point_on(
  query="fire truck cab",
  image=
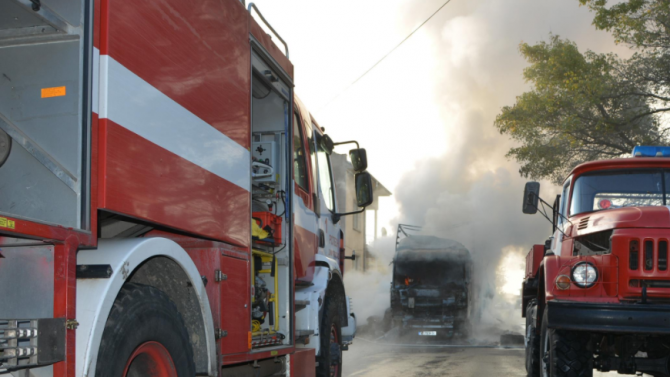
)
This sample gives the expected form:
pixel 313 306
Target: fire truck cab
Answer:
pixel 596 295
pixel 167 205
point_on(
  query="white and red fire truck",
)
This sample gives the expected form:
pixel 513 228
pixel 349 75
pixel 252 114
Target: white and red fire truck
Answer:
pixel 167 205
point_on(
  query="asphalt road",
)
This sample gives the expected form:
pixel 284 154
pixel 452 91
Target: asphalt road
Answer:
pixel 372 359
pixel 367 358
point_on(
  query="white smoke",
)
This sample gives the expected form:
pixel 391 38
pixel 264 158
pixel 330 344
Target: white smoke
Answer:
pixel 370 290
pixel 426 113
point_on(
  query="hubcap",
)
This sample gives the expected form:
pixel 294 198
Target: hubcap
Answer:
pixel 150 359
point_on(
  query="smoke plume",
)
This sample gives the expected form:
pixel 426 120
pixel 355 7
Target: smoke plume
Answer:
pixel 425 115
pixel 471 193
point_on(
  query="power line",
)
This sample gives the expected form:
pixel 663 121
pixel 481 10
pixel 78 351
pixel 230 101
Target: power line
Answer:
pixel 385 56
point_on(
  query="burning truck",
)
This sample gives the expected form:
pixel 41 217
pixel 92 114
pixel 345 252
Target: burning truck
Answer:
pixel 430 290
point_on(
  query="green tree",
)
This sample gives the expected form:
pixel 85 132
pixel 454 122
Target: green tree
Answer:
pixel 639 23
pixel 643 25
pixel 581 107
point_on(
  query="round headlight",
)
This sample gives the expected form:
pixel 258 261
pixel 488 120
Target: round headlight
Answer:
pixel 584 274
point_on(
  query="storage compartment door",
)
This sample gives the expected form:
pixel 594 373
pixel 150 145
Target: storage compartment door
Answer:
pixel 45 99
pixel 235 306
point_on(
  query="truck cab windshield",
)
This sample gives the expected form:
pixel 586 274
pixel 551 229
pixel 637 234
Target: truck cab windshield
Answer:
pixel 617 189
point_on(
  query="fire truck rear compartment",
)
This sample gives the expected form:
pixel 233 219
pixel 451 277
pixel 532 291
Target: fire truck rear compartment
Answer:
pixel 44 90
pixel 271 255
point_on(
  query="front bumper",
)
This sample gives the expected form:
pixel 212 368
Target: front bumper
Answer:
pixel 349 331
pixel 609 318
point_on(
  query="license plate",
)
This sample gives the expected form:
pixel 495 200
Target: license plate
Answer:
pixel 428 333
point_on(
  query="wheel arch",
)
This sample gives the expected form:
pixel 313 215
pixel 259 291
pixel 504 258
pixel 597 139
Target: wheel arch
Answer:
pixel 157 262
pixel 335 287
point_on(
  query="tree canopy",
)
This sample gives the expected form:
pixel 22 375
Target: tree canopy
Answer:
pixel 588 106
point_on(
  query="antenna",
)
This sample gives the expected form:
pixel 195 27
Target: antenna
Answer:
pixel 404 229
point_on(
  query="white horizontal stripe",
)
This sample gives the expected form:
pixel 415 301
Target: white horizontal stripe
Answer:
pixel 95 80
pixel 133 103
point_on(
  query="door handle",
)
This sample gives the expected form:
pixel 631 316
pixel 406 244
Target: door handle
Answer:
pixel 317 205
pixel 322 238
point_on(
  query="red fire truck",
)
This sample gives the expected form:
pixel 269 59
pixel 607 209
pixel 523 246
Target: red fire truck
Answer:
pixel 596 295
pixel 167 205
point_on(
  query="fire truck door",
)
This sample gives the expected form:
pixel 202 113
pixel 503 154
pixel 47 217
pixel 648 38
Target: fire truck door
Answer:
pixel 235 305
pixel 330 243
pixel 305 229
pixel 46 65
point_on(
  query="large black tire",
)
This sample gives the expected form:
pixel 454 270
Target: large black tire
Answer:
pixel 143 315
pixel 565 353
pixel 331 341
pixel 532 341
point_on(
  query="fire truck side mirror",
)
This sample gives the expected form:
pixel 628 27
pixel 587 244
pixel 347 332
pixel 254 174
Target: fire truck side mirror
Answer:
pixel 531 197
pixel 364 189
pixel 359 159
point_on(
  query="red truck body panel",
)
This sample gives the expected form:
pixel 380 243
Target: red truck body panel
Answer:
pixel 197 58
pixel 533 260
pixel 173 48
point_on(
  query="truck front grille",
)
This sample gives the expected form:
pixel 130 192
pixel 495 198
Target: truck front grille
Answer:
pixel 663 255
pixel 634 255
pixel 653 256
pixel 648 255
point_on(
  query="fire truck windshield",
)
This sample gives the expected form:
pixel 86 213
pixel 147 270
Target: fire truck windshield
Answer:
pixel 619 188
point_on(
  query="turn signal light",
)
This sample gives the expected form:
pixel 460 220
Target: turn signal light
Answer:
pixel 563 282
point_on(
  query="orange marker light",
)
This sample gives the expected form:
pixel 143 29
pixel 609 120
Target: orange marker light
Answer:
pixel 563 282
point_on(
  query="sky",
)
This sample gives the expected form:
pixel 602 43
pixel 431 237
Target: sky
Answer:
pixel 426 113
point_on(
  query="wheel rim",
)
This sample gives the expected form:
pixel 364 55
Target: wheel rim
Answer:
pixel 335 353
pixel 150 359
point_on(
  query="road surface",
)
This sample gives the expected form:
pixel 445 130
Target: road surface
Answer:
pixel 367 358
pixel 371 359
